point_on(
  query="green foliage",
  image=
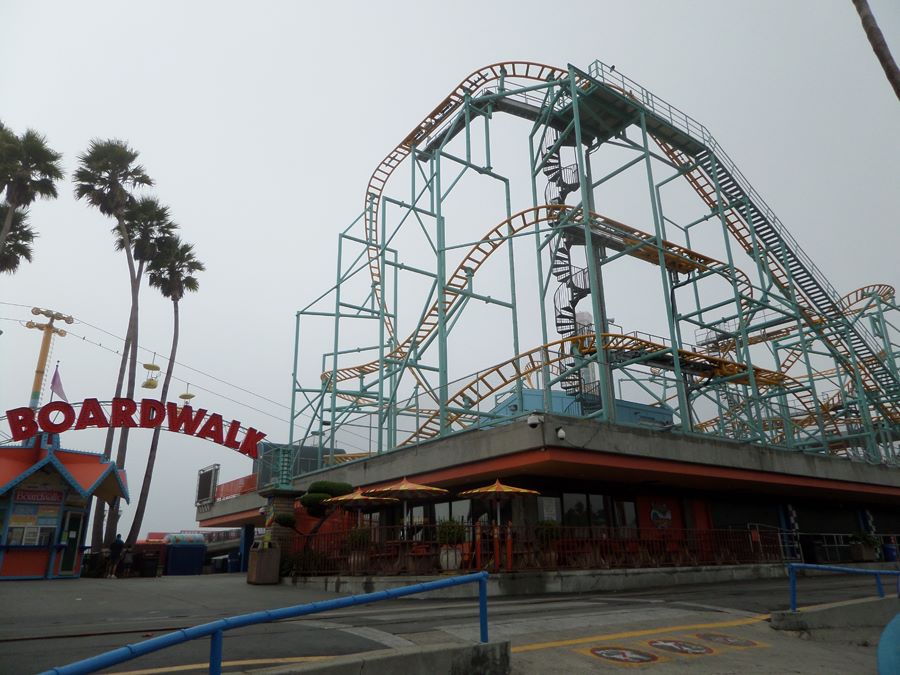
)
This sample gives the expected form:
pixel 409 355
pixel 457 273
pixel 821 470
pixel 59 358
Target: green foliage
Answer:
pixel 450 532
pixel 864 538
pixel 358 538
pixel 173 267
pixel 106 174
pixel 18 246
pixel 286 519
pixel 331 488
pixel 312 502
pixel 28 167
pixel 546 532
pixel 147 223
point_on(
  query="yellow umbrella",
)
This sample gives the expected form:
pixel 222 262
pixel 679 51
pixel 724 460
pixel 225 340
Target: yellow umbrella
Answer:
pixel 358 500
pixel 406 490
pixel 497 491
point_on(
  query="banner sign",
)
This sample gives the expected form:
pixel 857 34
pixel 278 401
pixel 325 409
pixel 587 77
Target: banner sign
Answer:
pixel 124 412
pixel 38 496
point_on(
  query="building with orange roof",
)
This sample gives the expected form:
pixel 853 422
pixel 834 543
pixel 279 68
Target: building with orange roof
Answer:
pixel 45 499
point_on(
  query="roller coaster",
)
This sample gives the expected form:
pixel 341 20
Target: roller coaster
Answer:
pixel 778 357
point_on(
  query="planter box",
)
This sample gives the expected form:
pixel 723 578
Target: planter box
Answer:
pixel 862 552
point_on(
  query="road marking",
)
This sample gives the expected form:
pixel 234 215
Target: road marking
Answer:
pixel 637 633
pixel 225 664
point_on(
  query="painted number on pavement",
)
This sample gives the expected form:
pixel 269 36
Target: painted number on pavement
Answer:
pixel 623 655
pixel 680 647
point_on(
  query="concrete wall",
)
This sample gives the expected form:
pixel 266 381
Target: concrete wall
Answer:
pixel 569 581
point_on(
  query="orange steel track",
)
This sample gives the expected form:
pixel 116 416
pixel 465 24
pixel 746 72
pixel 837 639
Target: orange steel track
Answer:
pixel 642 245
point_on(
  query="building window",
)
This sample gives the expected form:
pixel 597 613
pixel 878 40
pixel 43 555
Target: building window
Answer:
pixel 626 514
pixel 548 509
pixel 599 516
pixel 460 510
pixel 441 512
pixel 575 510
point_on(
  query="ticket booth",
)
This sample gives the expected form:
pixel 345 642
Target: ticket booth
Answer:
pixel 45 499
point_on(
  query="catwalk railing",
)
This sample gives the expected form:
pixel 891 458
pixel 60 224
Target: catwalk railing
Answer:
pixel 426 548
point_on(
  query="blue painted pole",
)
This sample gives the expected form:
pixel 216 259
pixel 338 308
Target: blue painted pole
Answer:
pixel 792 573
pixel 482 607
pixel 879 586
pixel 215 653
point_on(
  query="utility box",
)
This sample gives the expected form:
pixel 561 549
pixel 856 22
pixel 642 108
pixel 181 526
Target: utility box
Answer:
pixel 264 563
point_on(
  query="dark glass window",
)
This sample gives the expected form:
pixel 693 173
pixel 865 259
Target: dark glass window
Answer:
pixel 598 510
pixel 460 510
pixel 626 514
pixel 575 509
pixel 548 509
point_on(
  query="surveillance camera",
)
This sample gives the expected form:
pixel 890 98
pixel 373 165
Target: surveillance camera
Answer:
pixel 561 433
pixel 534 420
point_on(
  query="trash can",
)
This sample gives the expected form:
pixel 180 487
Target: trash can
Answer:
pixel 234 563
pixel 890 552
pixel 219 563
pixel 149 564
pixel 265 563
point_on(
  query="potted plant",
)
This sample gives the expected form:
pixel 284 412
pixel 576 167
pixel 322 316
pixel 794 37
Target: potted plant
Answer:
pixel 450 536
pixel 863 546
pixel 547 533
pixel 358 540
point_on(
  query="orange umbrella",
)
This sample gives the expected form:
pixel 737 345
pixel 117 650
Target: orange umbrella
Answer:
pixel 358 500
pixel 497 491
pixel 406 490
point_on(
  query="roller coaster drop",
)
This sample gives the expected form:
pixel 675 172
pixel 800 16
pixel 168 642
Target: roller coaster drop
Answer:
pixel 781 359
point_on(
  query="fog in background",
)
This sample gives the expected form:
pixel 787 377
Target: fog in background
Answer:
pixel 262 122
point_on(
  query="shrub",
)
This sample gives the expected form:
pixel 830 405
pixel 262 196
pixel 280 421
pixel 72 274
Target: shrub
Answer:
pixel 312 502
pixel 451 532
pixel 358 538
pixel 864 538
pixel 330 488
pixel 285 519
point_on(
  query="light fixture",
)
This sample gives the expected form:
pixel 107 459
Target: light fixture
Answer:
pixel 561 433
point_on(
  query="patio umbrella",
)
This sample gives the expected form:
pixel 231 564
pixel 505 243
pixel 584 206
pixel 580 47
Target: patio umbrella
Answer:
pixel 407 490
pixel 358 501
pixel 497 492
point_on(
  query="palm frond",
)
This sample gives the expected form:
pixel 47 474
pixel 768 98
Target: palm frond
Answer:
pixel 18 246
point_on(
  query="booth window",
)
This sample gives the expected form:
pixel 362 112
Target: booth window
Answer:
pixel 30 536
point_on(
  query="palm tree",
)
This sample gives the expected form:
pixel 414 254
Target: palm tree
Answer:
pixel 28 169
pixel 106 175
pixel 172 272
pixel 878 43
pixel 18 241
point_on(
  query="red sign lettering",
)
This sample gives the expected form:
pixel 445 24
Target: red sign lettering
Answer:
pixel 25 422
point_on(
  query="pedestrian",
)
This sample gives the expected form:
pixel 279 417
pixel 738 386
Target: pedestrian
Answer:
pixel 127 562
pixel 115 552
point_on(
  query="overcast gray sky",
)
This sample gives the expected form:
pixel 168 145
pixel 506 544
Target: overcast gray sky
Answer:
pixel 261 123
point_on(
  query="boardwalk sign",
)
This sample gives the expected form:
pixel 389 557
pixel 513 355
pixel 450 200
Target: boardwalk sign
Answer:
pixel 59 416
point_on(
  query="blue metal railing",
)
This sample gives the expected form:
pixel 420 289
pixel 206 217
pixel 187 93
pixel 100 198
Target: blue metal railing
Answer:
pixel 793 567
pixel 215 629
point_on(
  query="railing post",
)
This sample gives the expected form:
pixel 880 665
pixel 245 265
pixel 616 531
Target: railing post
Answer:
pixel 792 572
pixel 495 531
pixel 879 586
pixel 509 548
pixel 478 546
pixel 215 653
pixel 482 607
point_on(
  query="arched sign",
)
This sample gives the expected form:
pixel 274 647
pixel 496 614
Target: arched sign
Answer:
pixel 124 412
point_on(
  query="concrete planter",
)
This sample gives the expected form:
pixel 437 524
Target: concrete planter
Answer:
pixel 451 557
pixel 862 552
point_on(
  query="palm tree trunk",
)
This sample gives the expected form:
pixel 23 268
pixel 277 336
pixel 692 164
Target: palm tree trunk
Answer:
pixel 99 506
pixel 879 45
pixel 154 444
pixel 112 521
pixel 7 224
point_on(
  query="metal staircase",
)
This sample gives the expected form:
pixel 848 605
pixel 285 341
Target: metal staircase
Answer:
pixel 762 235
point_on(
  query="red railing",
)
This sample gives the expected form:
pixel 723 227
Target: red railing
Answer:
pixel 417 550
pixel 236 487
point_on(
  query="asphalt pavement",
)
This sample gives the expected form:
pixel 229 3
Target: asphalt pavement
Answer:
pixel 717 628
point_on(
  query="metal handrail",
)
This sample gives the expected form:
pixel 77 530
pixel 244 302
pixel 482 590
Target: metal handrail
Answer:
pixel 215 629
pixel 792 575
